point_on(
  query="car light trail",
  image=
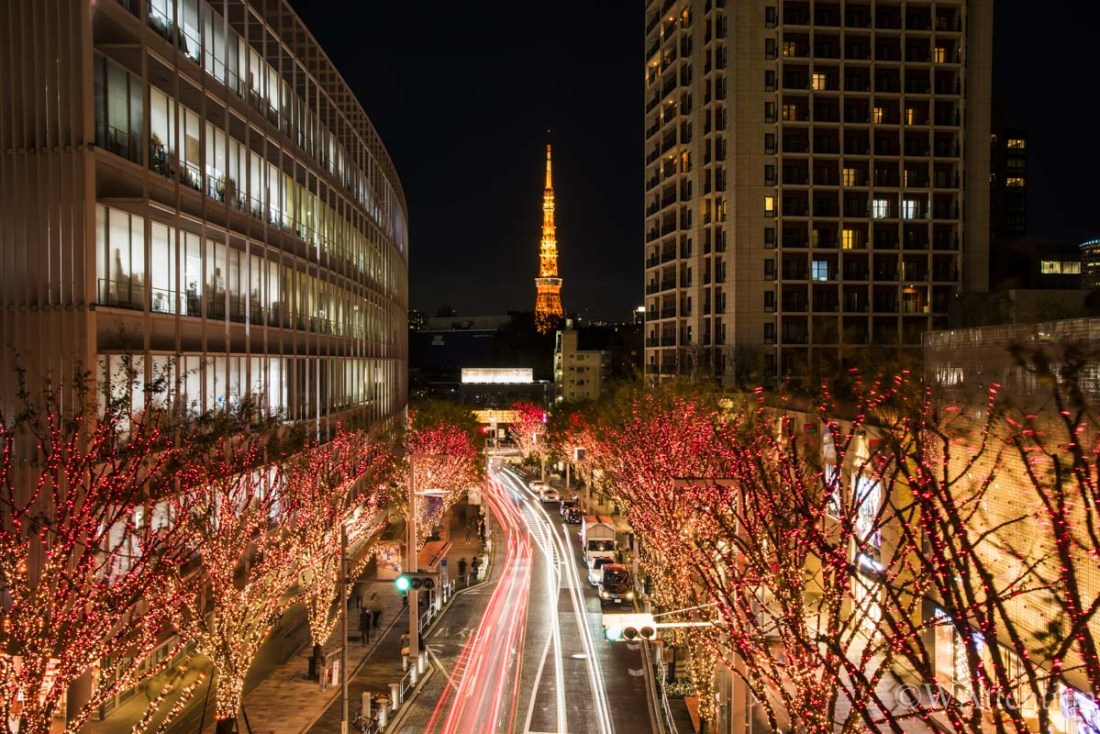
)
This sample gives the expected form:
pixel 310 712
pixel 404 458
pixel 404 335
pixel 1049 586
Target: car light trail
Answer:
pixel 569 567
pixel 496 648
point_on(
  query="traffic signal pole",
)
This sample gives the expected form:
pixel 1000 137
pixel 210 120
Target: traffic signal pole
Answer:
pixel 412 567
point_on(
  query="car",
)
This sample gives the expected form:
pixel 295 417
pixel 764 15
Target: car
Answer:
pixel 549 494
pixel 616 585
pixel 537 486
pixel 595 570
pixel 567 505
pixel 572 515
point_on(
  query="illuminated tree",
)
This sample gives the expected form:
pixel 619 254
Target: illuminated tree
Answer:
pixel 529 432
pixel 443 447
pixel 341 483
pixel 86 539
pixel 234 495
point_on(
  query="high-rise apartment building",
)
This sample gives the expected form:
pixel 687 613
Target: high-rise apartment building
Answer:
pixel 192 182
pixel 816 179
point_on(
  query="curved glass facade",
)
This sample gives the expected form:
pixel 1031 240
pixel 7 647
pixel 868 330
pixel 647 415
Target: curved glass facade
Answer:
pixel 262 247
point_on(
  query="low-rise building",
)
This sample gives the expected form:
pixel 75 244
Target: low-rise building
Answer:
pixel 579 374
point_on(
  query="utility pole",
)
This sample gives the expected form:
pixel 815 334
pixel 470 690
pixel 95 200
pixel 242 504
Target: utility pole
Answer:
pixel 344 626
pixel 412 567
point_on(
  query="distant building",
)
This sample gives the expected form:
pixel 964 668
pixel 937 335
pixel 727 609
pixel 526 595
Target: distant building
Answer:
pixel 1007 199
pixel 1039 264
pixel 579 374
pixel 1090 264
pixel 417 319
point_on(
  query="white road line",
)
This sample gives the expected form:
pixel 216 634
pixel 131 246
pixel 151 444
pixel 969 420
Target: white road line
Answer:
pixel 565 549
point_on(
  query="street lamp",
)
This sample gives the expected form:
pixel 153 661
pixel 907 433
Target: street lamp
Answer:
pixel 411 559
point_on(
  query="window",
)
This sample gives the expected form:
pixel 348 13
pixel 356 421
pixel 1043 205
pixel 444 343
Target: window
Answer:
pixel 769 174
pixel 769 112
pixel 790 48
pixel 910 116
pixel 769 332
pixel 769 301
pixel 769 237
pixel 850 177
pixel 790 112
pixel 1060 267
pixel 940 55
pixel 878 115
pixel 849 239
pixel 769 206
pixel 769 16
pixel 910 209
pixel 819 270
pixel 880 209
pixel 819 81
pixel 1014 182
pixel 769 80
pixel 769 48
pixel 769 143
pixel 1017 143
pixel 769 269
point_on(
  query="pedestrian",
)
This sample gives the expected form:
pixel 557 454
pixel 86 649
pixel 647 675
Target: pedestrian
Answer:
pixel 462 569
pixel 356 593
pixel 473 567
pixel 375 608
pixel 364 625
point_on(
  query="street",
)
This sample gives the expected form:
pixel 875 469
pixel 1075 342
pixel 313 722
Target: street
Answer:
pixel 536 660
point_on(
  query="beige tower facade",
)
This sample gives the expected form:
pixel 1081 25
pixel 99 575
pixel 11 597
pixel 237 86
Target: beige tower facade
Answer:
pixel 816 180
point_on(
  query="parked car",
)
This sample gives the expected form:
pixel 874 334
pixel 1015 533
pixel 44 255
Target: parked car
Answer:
pixel 549 494
pixel 595 570
pixel 615 586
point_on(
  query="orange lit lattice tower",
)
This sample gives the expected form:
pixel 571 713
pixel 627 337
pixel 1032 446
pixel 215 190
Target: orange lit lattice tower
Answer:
pixel 548 310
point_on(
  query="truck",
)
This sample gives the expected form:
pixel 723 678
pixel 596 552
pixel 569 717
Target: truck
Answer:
pixel 598 538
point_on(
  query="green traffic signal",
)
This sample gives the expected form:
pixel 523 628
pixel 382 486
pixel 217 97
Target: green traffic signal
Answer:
pixel 614 634
pixel 402 583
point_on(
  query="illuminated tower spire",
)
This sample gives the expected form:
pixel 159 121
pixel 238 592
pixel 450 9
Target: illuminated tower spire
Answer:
pixel 548 309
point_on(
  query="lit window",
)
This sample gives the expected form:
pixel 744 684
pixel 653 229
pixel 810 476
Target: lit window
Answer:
pixel 880 209
pixel 1015 182
pixel 910 116
pixel 1017 143
pixel 790 112
pixel 849 177
pixel 878 115
pixel 910 209
pixel 940 55
pixel 848 239
pixel 790 48
pixel 1060 267
pixel 818 81
pixel 769 205
pixel 819 270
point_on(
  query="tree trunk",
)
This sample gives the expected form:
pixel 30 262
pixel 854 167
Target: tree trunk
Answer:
pixel 226 726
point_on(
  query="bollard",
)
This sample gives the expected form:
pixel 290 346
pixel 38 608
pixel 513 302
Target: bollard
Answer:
pixel 414 673
pixel 404 663
pixel 395 695
pixel 421 664
pixel 364 705
pixel 383 718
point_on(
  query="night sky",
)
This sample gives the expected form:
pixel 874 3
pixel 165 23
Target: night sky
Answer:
pixel 463 93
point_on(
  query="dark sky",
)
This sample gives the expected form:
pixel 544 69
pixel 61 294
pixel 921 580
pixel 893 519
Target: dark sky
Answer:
pixel 462 94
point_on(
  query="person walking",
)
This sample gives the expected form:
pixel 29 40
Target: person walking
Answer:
pixel 375 608
pixel 364 625
pixel 473 567
pixel 462 570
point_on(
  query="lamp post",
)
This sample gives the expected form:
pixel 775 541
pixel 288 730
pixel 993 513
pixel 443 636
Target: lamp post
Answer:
pixel 411 559
pixel 739 709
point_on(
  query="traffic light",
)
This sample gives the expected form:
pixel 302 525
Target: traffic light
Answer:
pixel 629 627
pixel 406 581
